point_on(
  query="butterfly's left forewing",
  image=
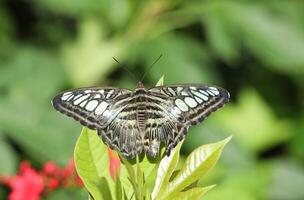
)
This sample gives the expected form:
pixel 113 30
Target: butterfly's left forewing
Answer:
pixel 93 107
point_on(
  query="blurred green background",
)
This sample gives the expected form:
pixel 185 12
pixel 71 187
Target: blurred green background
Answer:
pixel 254 49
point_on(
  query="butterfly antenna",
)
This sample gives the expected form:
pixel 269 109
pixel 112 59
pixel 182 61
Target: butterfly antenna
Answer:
pixel 126 69
pixel 150 67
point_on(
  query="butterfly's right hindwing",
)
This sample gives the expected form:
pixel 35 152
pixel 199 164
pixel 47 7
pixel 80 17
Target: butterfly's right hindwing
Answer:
pixel 92 107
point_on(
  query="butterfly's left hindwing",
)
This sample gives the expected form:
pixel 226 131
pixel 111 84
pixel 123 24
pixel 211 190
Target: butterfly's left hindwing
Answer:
pixel 92 107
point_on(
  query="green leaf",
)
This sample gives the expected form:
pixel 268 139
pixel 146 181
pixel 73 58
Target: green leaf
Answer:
pixel 140 180
pixel 160 81
pixel 127 175
pixel 148 194
pixel 118 189
pixel 92 164
pixel 193 193
pixel 197 164
pixel 125 195
pixel 150 178
pixel 165 171
pixel 66 194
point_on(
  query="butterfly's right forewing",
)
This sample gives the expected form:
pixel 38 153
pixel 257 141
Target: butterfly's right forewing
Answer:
pixel 192 103
pixel 187 105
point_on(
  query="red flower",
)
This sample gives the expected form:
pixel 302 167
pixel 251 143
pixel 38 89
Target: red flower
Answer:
pixel 30 184
pixel 69 176
pixel 53 183
pixel 27 185
pixel 78 181
pixel 50 168
pixel 114 164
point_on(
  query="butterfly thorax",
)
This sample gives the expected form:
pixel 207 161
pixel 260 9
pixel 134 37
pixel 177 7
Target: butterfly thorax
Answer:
pixel 141 114
pixel 140 100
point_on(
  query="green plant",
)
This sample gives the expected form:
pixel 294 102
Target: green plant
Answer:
pixel 144 179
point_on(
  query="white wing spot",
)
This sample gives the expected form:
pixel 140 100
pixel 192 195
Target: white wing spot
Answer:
pixel 101 108
pixel 198 100
pixel 110 93
pixel 87 91
pixel 83 103
pixel 65 96
pixel 91 105
pixel 71 97
pixel 181 105
pixel 171 91
pixel 214 90
pixel 204 92
pixel 176 111
pixel 190 102
pixel 184 93
pixel 66 93
pixel 79 100
pixel 210 92
pixel 179 89
pixel 97 96
pixel 193 88
pixel 200 95
pixel 163 92
pixel 77 96
pixel 101 91
pixel 106 113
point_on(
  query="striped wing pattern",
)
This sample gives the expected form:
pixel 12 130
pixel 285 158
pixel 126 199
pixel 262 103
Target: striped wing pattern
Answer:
pixel 136 122
pixel 95 107
pixel 142 126
pixel 188 105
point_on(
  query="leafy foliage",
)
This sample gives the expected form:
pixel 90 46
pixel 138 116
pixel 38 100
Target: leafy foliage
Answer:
pixel 92 163
pixel 252 48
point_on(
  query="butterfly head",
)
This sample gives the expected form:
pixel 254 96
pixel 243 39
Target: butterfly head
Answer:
pixel 140 86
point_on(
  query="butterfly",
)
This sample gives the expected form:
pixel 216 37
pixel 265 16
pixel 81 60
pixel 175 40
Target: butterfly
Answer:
pixel 132 122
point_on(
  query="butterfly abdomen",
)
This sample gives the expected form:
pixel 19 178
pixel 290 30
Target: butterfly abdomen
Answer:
pixel 141 118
